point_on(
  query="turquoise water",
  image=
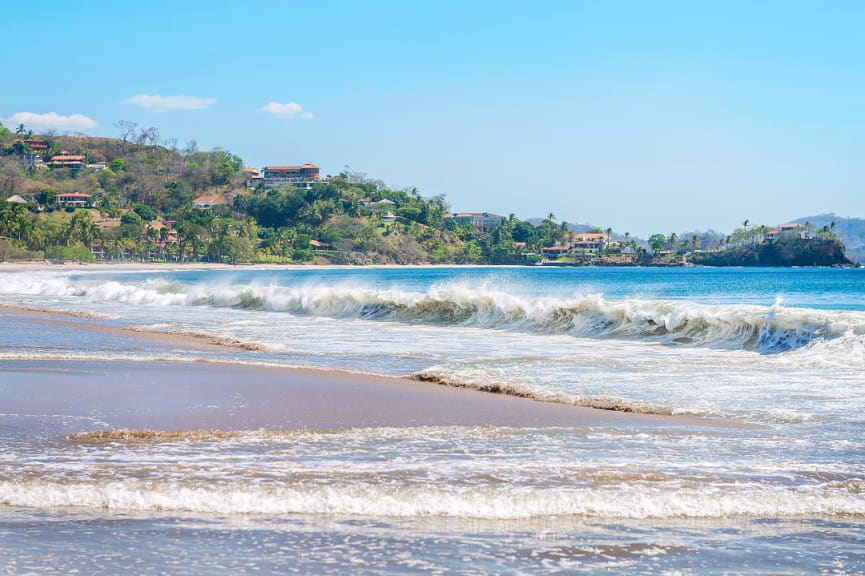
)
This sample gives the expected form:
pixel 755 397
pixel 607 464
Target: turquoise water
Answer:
pixel 778 352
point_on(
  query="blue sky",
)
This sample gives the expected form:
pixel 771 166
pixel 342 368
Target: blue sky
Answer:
pixel 643 116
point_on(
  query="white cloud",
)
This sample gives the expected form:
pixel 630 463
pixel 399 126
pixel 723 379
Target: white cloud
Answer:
pixel 51 121
pixel 159 103
pixel 291 110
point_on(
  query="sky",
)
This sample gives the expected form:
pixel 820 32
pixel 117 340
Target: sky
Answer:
pixel 644 116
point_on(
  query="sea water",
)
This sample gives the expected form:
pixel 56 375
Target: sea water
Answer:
pixel 777 353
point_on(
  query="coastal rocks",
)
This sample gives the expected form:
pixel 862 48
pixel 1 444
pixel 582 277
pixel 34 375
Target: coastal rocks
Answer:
pixel 781 252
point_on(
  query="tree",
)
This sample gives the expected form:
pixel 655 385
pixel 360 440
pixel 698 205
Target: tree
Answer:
pixel 657 242
pixel 81 229
pixel 673 241
pixel 21 129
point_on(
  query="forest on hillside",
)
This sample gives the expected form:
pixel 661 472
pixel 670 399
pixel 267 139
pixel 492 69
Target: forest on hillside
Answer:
pixel 140 193
pixel 142 208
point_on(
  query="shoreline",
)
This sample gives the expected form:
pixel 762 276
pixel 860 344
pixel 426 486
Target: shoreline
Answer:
pixel 110 395
pixel 277 396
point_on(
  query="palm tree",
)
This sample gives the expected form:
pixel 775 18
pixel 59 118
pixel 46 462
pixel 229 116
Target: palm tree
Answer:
pixel 21 129
pixel 746 223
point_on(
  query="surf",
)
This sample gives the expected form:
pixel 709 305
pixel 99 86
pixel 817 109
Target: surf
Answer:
pixel 763 329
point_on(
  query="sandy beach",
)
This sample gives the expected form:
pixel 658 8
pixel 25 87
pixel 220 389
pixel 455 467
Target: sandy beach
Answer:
pixel 192 396
pixel 208 394
pixel 370 413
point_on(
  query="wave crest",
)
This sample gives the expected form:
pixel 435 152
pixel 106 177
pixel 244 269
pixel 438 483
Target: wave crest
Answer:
pixel 766 329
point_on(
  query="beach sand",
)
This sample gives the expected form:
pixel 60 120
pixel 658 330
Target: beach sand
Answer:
pixel 215 395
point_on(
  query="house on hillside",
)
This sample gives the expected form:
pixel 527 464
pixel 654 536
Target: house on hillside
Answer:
pixel 384 203
pixel 592 242
pixel 482 222
pixel 788 231
pixel 74 162
pixel 207 202
pixel 554 251
pixel 32 151
pixel 253 177
pixel 73 199
pixel 303 176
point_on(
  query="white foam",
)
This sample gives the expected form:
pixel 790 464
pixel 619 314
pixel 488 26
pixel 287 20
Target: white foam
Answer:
pixel 760 328
pixel 632 501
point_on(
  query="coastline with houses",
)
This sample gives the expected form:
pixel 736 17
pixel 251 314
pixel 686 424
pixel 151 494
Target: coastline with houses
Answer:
pixel 102 199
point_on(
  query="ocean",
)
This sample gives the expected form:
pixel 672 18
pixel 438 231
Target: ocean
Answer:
pixel 772 481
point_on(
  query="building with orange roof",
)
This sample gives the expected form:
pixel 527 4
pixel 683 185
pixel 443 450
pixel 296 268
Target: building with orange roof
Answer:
pixel 554 251
pixel 67 160
pixel 302 176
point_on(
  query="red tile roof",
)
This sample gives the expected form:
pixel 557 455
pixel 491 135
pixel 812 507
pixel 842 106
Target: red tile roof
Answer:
pixel 33 143
pixel 291 167
pixel 210 200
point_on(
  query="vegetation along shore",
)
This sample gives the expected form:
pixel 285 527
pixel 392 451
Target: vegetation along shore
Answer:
pixel 140 198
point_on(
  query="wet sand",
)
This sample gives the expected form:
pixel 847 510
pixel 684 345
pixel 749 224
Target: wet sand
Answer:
pixel 199 395
pixel 73 321
pixel 213 395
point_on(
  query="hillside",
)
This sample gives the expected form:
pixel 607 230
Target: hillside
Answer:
pixel 851 231
pixel 133 198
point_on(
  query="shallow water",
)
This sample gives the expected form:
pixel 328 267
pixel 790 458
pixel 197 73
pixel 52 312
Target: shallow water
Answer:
pixel 783 350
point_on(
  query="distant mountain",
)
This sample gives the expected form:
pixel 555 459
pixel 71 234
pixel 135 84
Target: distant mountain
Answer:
pixel 851 231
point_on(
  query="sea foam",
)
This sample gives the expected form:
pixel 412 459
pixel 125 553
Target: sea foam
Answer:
pixel 765 329
pixel 625 501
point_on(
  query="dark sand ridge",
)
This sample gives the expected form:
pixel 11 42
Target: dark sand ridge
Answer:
pixel 224 396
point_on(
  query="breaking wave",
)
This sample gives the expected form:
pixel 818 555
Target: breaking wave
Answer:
pixel 623 501
pixel 765 329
